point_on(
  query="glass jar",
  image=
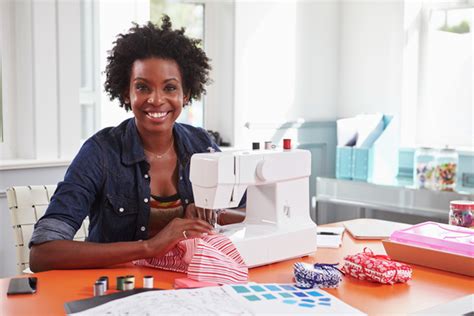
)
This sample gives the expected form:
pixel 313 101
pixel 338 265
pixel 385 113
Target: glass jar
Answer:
pixel 446 169
pixel 461 213
pixel 424 171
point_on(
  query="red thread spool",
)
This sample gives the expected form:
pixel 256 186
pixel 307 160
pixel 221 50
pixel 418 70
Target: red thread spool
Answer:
pixel 286 143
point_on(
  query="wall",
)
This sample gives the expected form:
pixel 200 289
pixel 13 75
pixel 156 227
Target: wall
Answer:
pixel 371 57
pixel 218 110
pixel 412 26
pixel 8 75
pixel 41 78
pixel 286 63
pixel 316 60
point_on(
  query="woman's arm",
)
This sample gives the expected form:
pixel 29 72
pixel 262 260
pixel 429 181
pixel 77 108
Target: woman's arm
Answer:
pixel 68 254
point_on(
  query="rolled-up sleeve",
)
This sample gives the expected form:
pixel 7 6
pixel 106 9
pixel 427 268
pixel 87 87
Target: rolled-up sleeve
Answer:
pixel 73 198
pixel 50 229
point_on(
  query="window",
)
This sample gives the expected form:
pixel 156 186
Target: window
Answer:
pixel 190 16
pixel 89 97
pixel 446 109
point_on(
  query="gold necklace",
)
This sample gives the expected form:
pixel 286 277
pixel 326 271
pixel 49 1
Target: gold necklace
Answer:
pixel 159 156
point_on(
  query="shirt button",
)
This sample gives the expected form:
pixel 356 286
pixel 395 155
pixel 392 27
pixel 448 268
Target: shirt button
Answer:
pixel 121 210
pixel 142 228
pixel 146 176
pixel 181 178
pixel 186 201
pixel 145 200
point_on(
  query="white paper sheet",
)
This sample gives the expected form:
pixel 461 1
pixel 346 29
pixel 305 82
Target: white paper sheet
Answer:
pixel 330 241
pixel 460 306
pixel 246 299
pixel 204 301
pixel 347 131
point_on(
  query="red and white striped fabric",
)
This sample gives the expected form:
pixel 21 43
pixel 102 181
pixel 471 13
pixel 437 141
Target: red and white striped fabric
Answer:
pixel 212 258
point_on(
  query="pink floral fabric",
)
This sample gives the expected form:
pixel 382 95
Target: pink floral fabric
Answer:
pixel 376 268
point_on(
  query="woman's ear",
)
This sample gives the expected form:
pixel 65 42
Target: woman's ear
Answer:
pixel 126 97
pixel 186 99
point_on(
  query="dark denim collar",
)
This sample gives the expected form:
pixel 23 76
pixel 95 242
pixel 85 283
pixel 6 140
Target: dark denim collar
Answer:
pixel 183 145
pixel 132 146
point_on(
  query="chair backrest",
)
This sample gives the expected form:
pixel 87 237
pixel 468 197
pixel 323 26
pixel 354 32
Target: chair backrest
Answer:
pixel 27 204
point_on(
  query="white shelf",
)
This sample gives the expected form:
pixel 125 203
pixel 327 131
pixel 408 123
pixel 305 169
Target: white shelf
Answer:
pixel 389 197
pixel 14 164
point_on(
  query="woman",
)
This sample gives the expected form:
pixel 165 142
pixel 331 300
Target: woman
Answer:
pixel 132 180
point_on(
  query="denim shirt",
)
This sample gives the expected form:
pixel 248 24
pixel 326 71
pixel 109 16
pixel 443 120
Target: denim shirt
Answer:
pixel 108 181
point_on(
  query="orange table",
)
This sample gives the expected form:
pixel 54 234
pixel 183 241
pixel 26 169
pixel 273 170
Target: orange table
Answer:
pixel 429 287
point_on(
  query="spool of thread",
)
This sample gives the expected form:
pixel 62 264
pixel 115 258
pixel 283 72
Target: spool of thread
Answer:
pixel 104 285
pixel 120 281
pixel 268 145
pixel 130 278
pixel 128 285
pixel 98 288
pixel 148 282
pixel 287 144
pixel 255 146
pixel 106 279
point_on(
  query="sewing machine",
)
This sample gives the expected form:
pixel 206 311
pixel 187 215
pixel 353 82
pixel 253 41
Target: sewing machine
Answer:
pixel 277 225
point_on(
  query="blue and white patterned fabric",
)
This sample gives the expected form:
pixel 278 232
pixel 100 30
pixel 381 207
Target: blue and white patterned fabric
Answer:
pixel 319 275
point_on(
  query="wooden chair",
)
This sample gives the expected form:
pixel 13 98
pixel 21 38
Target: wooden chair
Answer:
pixel 27 204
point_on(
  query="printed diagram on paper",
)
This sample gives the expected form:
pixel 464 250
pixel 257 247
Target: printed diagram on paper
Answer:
pixel 205 301
pixel 247 299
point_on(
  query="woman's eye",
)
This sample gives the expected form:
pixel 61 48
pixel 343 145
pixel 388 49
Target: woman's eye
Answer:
pixel 141 87
pixel 170 88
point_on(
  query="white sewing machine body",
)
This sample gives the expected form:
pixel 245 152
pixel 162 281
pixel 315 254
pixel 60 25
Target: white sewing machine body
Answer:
pixel 277 225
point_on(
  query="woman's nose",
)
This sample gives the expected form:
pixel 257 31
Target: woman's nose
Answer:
pixel 155 98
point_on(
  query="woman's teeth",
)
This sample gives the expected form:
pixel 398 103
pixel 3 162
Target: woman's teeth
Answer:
pixel 157 114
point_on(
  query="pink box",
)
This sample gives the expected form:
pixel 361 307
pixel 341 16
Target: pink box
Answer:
pixel 448 238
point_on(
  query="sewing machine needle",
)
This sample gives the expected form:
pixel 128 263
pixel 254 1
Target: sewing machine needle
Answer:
pixel 213 218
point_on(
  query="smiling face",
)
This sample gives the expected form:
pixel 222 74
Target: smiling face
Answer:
pixel 156 94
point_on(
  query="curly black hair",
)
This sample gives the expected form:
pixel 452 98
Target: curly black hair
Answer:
pixel 142 42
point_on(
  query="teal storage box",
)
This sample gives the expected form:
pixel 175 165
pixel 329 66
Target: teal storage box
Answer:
pixel 344 162
pixel 360 163
pixel 379 163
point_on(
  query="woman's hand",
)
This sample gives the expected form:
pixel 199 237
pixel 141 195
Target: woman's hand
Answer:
pixel 207 215
pixel 221 217
pixel 178 229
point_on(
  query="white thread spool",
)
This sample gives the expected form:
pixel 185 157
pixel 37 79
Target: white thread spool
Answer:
pixel 128 285
pixel 148 282
pixel 98 288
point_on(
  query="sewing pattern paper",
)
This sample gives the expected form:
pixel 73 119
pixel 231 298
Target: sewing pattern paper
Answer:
pixel 244 299
pixel 212 258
